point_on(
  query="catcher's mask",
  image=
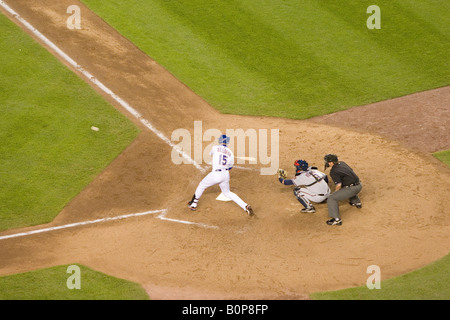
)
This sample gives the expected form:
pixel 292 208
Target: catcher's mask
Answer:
pixel 300 165
pixel 224 139
pixel 330 158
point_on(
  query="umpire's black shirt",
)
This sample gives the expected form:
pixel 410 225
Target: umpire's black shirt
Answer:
pixel 342 173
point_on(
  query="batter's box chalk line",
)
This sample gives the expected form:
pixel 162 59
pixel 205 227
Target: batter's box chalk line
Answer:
pixel 161 215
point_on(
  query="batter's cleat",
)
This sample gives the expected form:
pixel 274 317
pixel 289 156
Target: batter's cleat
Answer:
pixel 191 206
pixel 334 222
pixel 308 210
pixel 358 205
pixel 249 210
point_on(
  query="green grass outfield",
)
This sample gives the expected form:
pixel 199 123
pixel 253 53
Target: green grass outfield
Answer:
pixel 52 284
pixel 48 152
pixel 443 156
pixel 290 58
pixel 428 283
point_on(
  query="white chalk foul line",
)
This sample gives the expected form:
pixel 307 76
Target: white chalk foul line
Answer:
pixel 100 85
pixel 77 224
pixel 161 216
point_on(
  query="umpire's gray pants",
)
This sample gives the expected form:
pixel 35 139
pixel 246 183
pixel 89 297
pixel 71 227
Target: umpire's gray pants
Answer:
pixel 342 194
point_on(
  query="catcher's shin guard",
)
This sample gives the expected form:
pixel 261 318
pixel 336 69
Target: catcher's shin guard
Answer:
pixel 305 202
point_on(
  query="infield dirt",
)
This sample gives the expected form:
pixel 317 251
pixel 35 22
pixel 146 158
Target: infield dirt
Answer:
pixel 280 254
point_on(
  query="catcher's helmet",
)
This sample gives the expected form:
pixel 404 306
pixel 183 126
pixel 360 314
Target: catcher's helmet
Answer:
pixel 224 139
pixel 300 165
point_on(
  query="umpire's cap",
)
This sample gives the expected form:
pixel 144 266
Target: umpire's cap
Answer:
pixel 330 158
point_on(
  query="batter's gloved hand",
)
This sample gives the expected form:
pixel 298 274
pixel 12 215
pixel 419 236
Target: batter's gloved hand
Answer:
pixel 282 174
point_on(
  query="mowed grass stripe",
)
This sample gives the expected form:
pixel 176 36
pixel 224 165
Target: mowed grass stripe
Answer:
pixel 290 58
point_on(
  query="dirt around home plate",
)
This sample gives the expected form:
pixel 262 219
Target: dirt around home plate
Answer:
pixel 280 254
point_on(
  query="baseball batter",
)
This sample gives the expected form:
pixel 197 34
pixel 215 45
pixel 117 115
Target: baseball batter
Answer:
pixel 222 162
pixel 311 185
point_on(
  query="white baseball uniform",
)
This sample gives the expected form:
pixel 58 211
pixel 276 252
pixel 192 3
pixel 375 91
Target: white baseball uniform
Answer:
pixel 312 186
pixel 222 162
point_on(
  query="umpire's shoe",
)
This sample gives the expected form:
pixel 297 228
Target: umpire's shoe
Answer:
pixel 334 222
pixel 358 205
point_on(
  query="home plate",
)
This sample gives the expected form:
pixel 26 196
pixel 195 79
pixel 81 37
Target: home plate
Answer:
pixel 221 197
pixel 251 159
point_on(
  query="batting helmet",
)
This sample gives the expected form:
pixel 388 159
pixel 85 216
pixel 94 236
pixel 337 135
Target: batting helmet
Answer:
pixel 224 139
pixel 300 165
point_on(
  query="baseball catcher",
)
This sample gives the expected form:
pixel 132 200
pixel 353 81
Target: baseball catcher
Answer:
pixel 311 185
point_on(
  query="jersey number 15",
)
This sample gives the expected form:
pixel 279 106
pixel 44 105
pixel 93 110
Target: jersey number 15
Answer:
pixel 223 159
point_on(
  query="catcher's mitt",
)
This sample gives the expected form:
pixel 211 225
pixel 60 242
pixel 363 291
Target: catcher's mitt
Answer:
pixel 282 174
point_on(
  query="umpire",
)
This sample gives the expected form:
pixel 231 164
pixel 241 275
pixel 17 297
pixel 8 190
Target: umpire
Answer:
pixel 347 184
